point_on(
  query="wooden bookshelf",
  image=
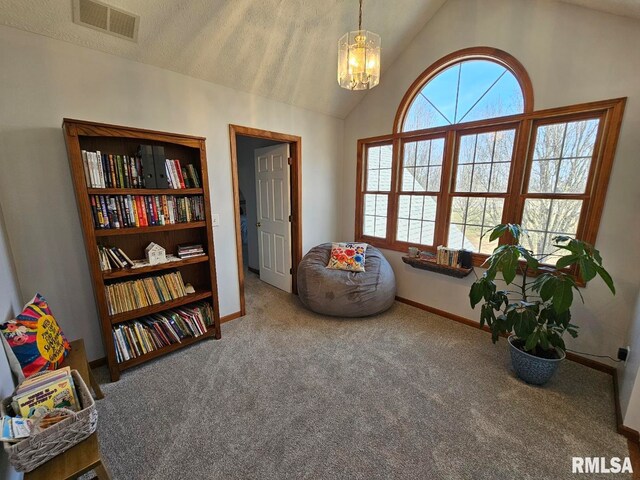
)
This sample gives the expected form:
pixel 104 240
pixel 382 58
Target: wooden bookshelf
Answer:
pixel 198 271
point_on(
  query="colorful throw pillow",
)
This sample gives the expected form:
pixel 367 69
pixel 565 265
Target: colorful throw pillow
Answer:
pixel 35 338
pixel 347 256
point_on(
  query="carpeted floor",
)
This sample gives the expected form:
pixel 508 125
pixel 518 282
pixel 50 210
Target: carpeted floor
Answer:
pixel 288 394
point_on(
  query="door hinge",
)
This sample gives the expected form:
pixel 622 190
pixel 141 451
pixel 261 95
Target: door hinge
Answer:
pixel 291 271
pixel 289 160
pixel 289 217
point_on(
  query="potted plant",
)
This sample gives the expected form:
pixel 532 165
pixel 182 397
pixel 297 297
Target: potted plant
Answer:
pixel 535 312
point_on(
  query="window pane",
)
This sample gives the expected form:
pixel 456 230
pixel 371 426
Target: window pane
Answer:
pixel 372 180
pixel 545 218
pixel 375 215
pixel 484 162
pixel 470 218
pixel 580 139
pixel 437 151
pixel 385 180
pixel 378 167
pixel 463 178
pixel 416 219
pixel 562 157
pixel 543 176
pixel 466 91
pixel 417 176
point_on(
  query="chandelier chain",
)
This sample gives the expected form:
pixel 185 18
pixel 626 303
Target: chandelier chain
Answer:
pixel 360 17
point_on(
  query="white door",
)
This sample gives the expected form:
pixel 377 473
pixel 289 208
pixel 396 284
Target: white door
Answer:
pixel 274 205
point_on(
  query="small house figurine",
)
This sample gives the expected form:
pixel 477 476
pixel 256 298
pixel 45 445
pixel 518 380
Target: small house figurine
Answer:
pixel 155 254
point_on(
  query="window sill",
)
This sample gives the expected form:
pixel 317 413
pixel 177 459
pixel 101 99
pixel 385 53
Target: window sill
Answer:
pixel 432 266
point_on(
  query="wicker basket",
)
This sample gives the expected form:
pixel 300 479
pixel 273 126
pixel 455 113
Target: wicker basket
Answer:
pixel 41 447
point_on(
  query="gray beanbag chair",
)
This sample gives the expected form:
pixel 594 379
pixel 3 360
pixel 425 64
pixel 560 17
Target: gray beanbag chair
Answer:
pixel 342 293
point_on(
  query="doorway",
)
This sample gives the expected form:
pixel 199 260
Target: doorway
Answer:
pixel 258 159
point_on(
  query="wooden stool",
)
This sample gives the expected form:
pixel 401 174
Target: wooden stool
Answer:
pixel 84 456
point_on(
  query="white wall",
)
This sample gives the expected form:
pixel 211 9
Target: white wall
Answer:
pixel 9 307
pixel 43 80
pixel 573 55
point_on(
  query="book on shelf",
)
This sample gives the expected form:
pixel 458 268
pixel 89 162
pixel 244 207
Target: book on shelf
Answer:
pixel 128 211
pixel 144 292
pixel 113 257
pixel 448 256
pixel 180 176
pixel 103 170
pixel 189 250
pixel 146 334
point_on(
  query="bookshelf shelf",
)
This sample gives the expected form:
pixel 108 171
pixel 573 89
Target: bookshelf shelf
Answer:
pixel 126 143
pixel 108 232
pixel 130 272
pixel 145 191
pixel 164 350
pixel 159 307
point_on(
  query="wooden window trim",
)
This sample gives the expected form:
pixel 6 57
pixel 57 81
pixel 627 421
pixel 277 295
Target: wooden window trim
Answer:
pixel 473 53
pixel 610 113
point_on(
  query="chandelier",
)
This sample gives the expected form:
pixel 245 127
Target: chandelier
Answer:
pixel 359 58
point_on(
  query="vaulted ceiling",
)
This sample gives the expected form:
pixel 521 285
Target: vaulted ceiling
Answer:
pixel 281 49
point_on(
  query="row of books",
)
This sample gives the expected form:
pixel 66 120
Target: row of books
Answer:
pixel 126 211
pixel 447 256
pixel 182 176
pixel 113 257
pixel 144 292
pixel 103 170
pixel 146 334
pixel 38 394
pixel 189 250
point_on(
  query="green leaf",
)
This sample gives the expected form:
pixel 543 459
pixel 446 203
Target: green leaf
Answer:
pixel 607 278
pixel 548 287
pixel 476 293
pixel 515 231
pixel 509 265
pixel 544 341
pixel 562 295
pixel 524 322
pixel 587 269
pixel 532 262
pixel 497 232
pixel 596 255
pixel 567 260
pixel 532 341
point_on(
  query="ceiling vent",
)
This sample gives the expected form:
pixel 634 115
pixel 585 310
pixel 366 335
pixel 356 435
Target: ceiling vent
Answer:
pixel 105 18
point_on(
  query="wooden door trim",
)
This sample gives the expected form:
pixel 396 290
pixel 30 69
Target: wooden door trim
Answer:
pixel 295 153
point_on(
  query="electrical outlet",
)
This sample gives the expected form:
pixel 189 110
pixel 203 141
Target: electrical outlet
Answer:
pixel 215 219
pixel 623 353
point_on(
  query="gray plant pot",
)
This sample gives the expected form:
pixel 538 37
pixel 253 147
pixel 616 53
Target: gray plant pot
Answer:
pixel 532 369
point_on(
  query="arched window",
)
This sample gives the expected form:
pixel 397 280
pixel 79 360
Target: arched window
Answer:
pixel 467 91
pixel 468 152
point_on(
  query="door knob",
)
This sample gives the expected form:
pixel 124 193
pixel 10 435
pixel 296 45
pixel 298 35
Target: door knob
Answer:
pixel 258 224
